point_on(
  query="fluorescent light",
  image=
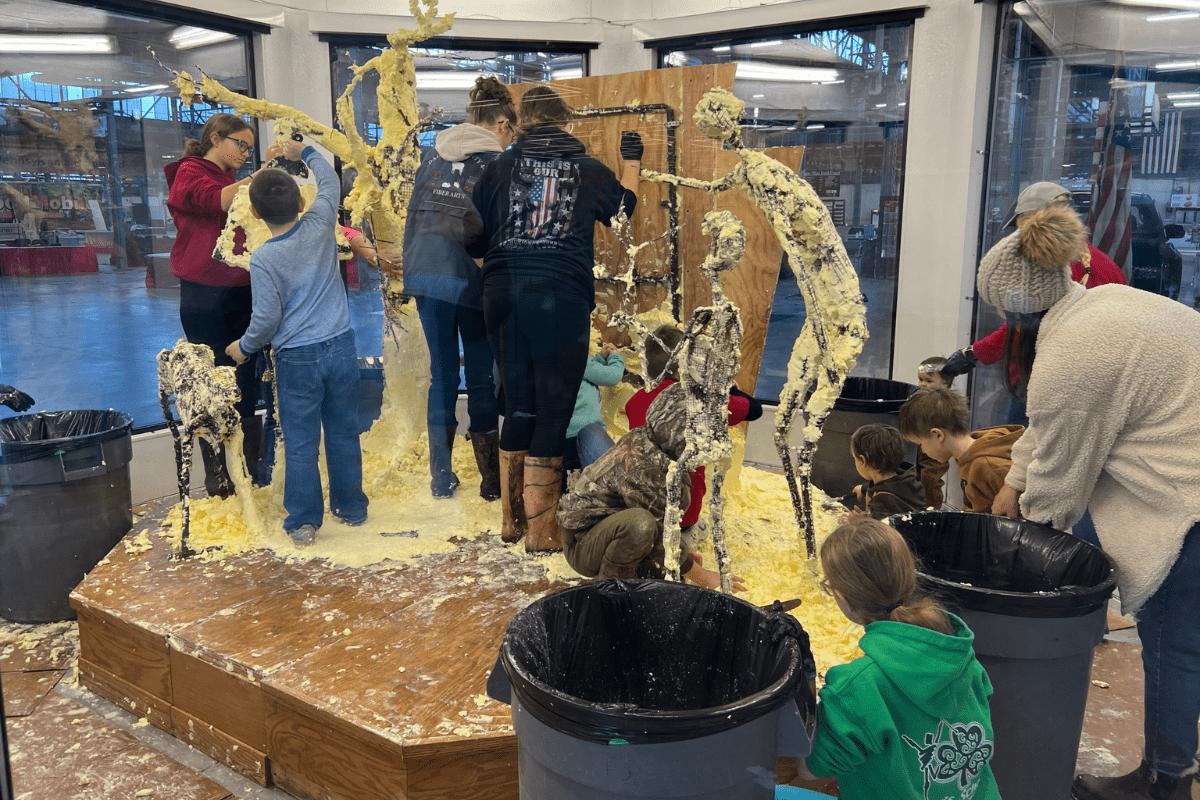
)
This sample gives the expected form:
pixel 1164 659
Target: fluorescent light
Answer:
pixel 1169 65
pixel 1182 5
pixel 1176 15
pixel 760 71
pixel 186 37
pixel 721 48
pixel 814 127
pixel 1188 104
pixel 566 74
pixel 830 83
pixel 157 87
pixel 757 96
pixel 448 79
pixel 51 43
pixel 770 43
pixel 881 105
pixel 1183 96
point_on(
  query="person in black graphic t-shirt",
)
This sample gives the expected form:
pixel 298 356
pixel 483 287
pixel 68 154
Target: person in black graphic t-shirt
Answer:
pixel 539 203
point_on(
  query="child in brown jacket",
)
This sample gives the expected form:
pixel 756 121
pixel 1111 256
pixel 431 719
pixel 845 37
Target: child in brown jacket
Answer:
pixel 937 419
pixel 892 486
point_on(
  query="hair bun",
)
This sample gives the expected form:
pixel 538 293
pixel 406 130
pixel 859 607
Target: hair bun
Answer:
pixel 1053 236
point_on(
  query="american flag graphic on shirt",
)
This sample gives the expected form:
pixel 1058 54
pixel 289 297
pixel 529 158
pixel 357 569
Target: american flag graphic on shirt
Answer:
pixel 542 199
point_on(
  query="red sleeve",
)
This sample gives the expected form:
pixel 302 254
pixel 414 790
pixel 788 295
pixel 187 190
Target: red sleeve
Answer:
pixel 739 407
pixel 197 192
pixel 692 515
pixel 990 348
pixel 1104 270
pixel 637 406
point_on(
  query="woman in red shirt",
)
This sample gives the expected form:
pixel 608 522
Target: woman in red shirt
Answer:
pixel 214 298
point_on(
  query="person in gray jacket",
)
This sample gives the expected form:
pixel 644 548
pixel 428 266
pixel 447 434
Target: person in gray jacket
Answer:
pixel 448 286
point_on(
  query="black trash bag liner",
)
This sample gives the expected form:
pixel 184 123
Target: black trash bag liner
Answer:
pixel 648 662
pixel 873 395
pixel 1007 566
pixel 49 433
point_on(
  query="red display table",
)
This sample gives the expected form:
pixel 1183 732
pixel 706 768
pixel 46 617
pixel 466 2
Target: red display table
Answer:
pixel 48 260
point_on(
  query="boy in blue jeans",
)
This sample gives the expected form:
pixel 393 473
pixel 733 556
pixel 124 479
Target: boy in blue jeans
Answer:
pixel 300 308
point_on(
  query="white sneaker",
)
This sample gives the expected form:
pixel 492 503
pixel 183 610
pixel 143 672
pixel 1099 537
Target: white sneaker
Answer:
pixel 303 536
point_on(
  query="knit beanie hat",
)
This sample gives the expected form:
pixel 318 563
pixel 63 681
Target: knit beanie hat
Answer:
pixel 1030 270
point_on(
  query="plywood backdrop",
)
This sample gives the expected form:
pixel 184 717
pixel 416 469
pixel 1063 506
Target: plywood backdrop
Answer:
pixel 632 101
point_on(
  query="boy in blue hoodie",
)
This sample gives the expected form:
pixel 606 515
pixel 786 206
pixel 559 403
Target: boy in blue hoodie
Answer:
pixel 910 718
pixel 300 308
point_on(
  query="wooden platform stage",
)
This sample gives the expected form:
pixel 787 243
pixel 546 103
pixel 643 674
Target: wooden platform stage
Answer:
pixel 333 683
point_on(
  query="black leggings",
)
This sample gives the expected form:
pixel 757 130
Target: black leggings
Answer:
pixel 216 316
pixel 539 336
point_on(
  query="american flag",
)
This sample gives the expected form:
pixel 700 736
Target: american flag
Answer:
pixel 1112 165
pixel 1160 154
pixel 543 197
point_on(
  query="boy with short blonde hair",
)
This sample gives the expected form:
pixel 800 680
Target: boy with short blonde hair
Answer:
pixel 938 420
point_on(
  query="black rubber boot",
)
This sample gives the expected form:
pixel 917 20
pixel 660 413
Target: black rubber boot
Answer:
pixel 487 458
pixel 252 437
pixel 1141 784
pixel 441 444
pixel 216 475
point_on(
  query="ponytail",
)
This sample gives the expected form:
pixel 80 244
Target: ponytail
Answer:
pixel 872 568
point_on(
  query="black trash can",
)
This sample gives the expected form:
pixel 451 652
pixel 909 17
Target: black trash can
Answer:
pixel 65 502
pixel 863 401
pixel 1037 600
pixel 649 689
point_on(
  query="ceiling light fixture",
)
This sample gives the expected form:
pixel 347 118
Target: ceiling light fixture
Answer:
pixel 1173 16
pixel 721 48
pixel 186 37
pixel 1173 65
pixel 760 71
pixel 1183 96
pixel 449 79
pixel 62 44
pixel 769 43
pixel 566 74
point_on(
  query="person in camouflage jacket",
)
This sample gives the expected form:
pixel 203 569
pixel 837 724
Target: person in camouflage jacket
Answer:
pixel 612 520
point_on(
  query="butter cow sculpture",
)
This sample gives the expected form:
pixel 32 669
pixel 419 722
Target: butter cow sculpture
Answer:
pixel 835 325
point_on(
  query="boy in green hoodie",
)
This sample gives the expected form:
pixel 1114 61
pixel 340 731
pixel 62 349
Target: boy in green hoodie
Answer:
pixel 910 718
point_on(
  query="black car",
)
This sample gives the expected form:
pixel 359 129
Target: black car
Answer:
pixel 1157 265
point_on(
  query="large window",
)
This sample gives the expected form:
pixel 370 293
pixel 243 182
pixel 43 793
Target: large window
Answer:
pixel 841 93
pixel 445 71
pixel 1103 99
pixel 87 122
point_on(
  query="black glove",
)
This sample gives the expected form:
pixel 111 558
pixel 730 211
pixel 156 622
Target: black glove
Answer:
pixel 15 398
pixel 959 363
pixel 631 146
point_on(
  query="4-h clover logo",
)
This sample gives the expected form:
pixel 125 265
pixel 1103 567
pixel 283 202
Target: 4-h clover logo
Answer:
pixel 960 758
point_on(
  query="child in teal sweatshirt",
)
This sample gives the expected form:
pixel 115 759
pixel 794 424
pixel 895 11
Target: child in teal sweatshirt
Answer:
pixel 909 718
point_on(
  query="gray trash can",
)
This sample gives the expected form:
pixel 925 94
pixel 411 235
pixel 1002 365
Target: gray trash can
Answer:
pixel 649 689
pixel 1036 599
pixel 65 502
pixel 863 401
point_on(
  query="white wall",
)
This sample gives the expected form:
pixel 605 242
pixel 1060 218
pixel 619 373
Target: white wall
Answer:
pixel 948 104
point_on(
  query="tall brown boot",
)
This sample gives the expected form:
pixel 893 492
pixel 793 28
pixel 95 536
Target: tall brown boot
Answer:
pixel 487 458
pixel 512 491
pixel 543 483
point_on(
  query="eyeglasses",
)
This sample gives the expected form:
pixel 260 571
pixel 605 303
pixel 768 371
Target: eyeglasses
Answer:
pixel 824 584
pixel 243 147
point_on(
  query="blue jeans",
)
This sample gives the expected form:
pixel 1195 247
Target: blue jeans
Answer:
pixel 587 446
pixel 443 323
pixel 318 388
pixel 1171 660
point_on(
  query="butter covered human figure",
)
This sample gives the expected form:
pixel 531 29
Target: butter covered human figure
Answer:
pixel 612 519
pixel 835 318
pixel 300 308
pixel 910 717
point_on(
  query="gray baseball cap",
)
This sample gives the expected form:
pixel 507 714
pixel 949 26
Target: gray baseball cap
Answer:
pixel 1038 195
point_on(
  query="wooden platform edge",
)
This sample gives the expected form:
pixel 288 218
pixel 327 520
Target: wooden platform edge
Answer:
pixel 220 746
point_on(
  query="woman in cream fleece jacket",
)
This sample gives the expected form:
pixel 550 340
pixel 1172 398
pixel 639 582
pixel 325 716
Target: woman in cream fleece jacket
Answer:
pixel 1113 429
